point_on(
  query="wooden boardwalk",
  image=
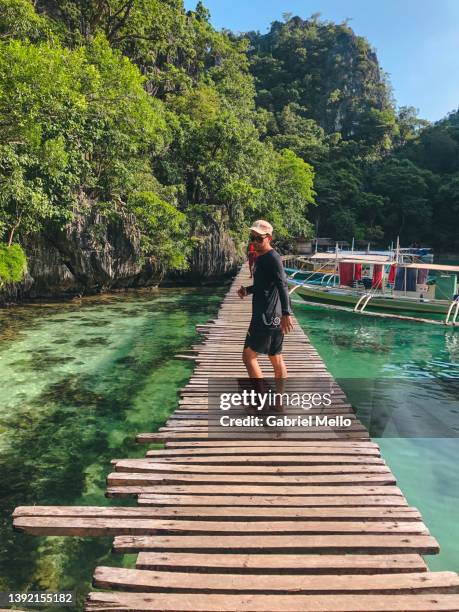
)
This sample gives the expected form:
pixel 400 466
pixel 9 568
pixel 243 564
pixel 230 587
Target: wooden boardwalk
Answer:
pixel 312 523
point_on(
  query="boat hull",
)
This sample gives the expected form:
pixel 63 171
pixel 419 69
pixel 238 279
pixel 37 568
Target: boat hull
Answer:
pixel 343 298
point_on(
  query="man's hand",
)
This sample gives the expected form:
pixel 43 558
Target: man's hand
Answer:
pixel 286 324
pixel 242 292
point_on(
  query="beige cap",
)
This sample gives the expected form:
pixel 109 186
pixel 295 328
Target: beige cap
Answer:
pixel 262 227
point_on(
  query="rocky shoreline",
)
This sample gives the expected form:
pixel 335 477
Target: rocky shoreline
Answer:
pixel 95 255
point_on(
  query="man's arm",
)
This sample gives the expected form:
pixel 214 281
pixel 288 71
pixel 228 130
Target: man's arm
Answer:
pixel 243 291
pixel 280 280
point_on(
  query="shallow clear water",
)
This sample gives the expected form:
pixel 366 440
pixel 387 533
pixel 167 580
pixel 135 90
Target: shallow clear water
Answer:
pixel 426 357
pixel 77 382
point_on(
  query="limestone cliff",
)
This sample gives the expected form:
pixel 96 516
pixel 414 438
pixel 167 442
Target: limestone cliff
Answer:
pixel 95 254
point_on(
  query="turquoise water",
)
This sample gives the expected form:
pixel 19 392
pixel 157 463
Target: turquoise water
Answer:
pixel 77 382
pixel 426 358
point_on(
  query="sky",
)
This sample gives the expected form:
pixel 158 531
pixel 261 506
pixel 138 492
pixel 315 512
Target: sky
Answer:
pixel 417 41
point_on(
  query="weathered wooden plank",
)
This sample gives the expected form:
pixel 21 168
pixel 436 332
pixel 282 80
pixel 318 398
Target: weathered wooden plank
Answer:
pixel 254 490
pixel 194 435
pixel 264 459
pixel 153 498
pixel 336 544
pixel 170 602
pixel 278 444
pixel 224 513
pixel 150 580
pixel 304 431
pixel 148 465
pixel 193 418
pixel 104 526
pixel 268 564
pixel 146 478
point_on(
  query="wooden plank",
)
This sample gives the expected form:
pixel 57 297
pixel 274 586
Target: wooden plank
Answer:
pixel 173 602
pixel 146 478
pixel 255 490
pixel 224 513
pixel 104 526
pixel 264 459
pixel 292 564
pixel 187 418
pixel 268 446
pixel 336 544
pixel 150 580
pixel 194 435
pixel 247 431
pixel 154 498
pixel 278 444
pixel 148 465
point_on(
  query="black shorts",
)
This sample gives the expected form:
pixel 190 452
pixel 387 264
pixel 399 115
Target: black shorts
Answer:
pixel 266 341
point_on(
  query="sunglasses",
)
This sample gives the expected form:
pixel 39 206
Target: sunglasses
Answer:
pixel 257 237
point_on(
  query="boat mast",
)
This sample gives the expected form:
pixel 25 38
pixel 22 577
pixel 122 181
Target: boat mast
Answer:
pixel 336 263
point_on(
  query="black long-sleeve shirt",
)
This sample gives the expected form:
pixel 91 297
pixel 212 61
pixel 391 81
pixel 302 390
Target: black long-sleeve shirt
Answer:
pixel 270 291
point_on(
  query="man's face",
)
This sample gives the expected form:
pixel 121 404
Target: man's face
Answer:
pixel 260 241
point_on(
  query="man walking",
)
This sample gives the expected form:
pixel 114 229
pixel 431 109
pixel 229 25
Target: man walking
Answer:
pixel 271 310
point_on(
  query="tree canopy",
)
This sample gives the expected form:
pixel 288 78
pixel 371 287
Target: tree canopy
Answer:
pixel 138 107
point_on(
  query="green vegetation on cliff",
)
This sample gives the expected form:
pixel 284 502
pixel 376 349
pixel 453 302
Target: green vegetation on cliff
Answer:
pixel 380 172
pixel 12 263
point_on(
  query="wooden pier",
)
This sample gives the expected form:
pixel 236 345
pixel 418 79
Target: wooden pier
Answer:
pixel 312 523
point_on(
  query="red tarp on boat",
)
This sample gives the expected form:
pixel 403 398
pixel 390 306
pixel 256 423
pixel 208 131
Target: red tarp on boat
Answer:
pixel 391 277
pixel 377 277
pixel 346 274
pixel 349 272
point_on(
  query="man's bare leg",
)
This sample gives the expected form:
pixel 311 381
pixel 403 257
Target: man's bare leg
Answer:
pixel 279 367
pixel 249 357
pixel 280 375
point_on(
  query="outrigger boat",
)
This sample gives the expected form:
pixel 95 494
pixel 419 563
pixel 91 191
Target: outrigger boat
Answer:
pixel 396 281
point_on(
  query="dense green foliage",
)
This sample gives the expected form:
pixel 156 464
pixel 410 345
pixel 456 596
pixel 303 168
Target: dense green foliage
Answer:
pixel 140 107
pixel 380 172
pixel 137 107
pixel 12 263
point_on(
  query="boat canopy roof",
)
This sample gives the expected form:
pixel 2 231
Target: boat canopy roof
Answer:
pixel 368 260
pixel 427 266
pixel 376 258
pixel 349 257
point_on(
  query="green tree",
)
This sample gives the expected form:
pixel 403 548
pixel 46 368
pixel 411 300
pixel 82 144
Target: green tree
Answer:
pixel 408 192
pixel 12 264
pixel 323 67
pixel 18 19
